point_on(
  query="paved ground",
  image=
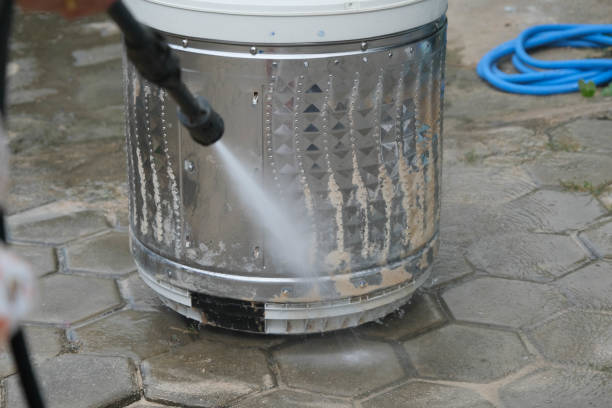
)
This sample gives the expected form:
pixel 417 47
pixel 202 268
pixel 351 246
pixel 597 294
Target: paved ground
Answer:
pixel 519 313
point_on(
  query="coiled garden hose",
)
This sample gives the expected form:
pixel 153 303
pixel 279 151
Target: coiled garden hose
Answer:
pixel 540 77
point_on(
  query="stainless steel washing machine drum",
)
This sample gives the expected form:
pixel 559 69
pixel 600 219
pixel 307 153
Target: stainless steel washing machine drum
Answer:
pixel 335 108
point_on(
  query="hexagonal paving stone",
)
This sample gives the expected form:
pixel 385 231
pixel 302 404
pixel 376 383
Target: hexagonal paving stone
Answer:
pixel 591 135
pixel 338 364
pixel 42 259
pixel 478 184
pixel 576 337
pixel 43 342
pixel 590 287
pixel 461 353
pixel 504 302
pixel 135 334
pixel 422 313
pixel 108 254
pixel 449 265
pixel 427 395
pixel 205 374
pixel 75 381
pixel 145 404
pixel 537 257
pixel 601 238
pixel 69 299
pixel 52 228
pixel 556 211
pixel 568 387
pixel 292 399
pixel 138 295
pixel 570 167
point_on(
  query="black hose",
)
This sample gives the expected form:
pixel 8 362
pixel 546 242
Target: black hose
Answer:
pixel 26 373
pixel 155 61
pixel 6 14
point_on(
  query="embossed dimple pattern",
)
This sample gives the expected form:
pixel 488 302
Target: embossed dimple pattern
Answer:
pixel 350 143
pixel 354 142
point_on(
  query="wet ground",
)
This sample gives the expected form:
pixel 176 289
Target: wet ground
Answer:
pixel 518 314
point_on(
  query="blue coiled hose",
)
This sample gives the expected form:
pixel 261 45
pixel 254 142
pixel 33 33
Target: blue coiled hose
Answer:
pixel 539 77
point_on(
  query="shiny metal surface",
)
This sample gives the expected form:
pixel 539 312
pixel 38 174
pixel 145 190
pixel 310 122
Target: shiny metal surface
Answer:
pixel 348 140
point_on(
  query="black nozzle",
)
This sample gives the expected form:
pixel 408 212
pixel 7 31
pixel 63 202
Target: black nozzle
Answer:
pixel 205 128
pixel 154 59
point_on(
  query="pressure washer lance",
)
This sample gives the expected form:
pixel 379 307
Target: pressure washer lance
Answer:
pixel 153 58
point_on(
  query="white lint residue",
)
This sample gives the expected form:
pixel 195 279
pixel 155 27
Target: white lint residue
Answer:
pixel 388 193
pixel 339 256
pixel 158 228
pixel 176 207
pixel 361 194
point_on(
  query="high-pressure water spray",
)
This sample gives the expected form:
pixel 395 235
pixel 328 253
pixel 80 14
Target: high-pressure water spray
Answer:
pixel 153 58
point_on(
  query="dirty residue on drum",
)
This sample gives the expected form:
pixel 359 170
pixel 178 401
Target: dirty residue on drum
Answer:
pixel 158 227
pixel 361 192
pixel 174 222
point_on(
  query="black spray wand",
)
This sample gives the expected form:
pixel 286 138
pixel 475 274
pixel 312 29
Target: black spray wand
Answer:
pixel 153 58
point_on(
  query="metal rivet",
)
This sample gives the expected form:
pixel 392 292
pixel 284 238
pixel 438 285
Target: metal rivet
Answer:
pixel 189 166
pixel 390 54
pixel 274 64
pixel 306 64
pixel 185 43
pixel 253 50
pixel 336 62
pixel 364 45
pixel 169 272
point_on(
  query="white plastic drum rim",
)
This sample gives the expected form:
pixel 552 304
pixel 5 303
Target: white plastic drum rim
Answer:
pixel 286 21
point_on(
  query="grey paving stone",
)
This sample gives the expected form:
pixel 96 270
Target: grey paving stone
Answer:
pixel 460 353
pixel 422 313
pixel 138 295
pixel 338 364
pixel 584 135
pixel 556 211
pixel 426 395
pixel 590 287
pixel 43 344
pixel 107 254
pixel 537 257
pixel 145 404
pixel 205 374
pixel 555 168
pixel 138 335
pixel 477 144
pixel 568 387
pixel 467 184
pixel 601 238
pixel 66 299
pixel 576 337
pixel 503 302
pixel 55 229
pixel 450 264
pixel 79 381
pixel 42 259
pixel 292 399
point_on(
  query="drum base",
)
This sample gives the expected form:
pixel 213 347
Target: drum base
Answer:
pixel 283 318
